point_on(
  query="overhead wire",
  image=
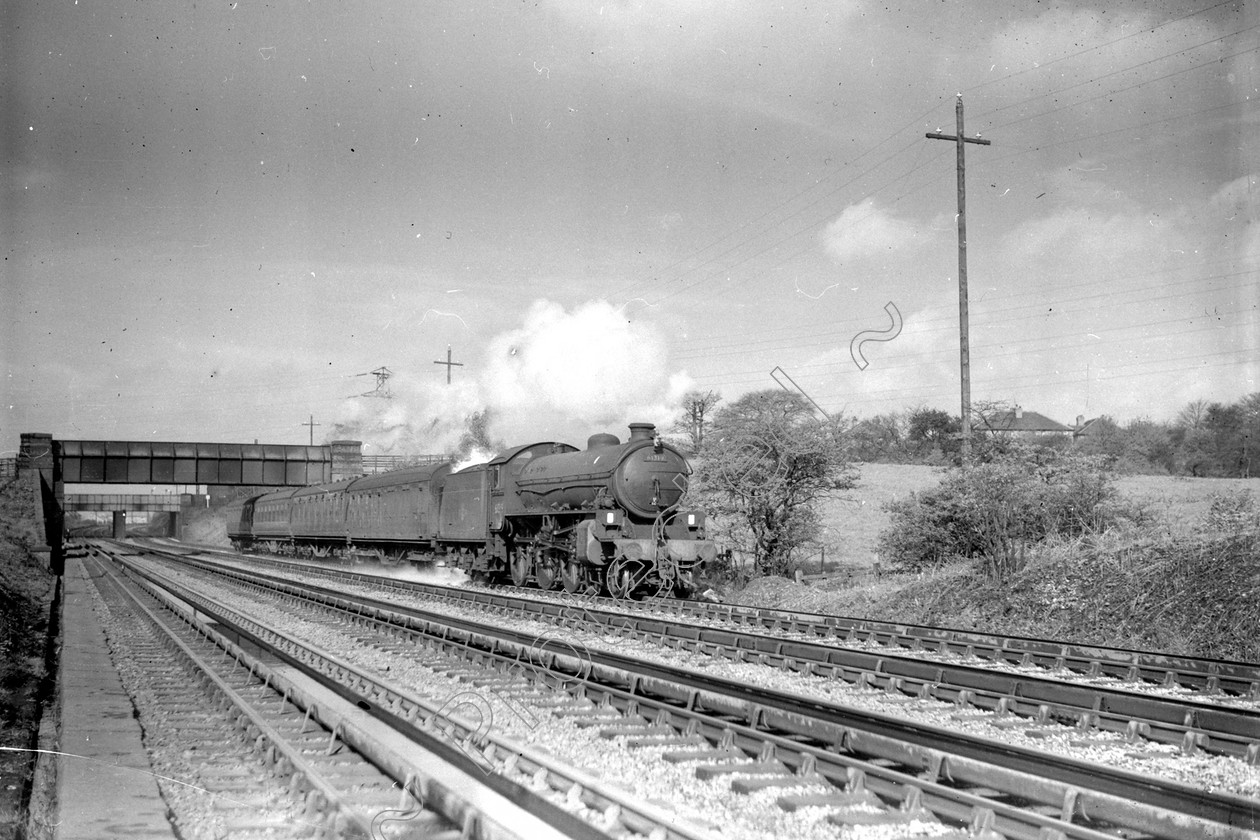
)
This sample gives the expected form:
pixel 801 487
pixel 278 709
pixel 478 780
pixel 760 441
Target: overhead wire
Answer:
pixel 784 204
pixel 1041 65
pixel 982 313
pixel 707 350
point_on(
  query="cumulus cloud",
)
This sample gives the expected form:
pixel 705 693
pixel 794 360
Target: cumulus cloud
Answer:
pixel 865 231
pixel 560 375
pixel 1101 303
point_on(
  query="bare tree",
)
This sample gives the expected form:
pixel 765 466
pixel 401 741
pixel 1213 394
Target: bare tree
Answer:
pixel 1194 415
pixel 696 419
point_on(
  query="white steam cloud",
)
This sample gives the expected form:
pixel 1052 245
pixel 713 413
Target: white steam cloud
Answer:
pixel 561 375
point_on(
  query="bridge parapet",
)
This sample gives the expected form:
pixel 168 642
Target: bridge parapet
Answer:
pixel 165 503
pixel 134 462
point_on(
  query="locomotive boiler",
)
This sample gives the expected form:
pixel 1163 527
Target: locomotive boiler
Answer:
pixel 607 517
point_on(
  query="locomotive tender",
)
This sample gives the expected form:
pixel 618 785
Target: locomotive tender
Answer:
pixel 605 517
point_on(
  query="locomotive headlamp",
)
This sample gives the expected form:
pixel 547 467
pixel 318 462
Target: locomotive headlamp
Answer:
pixel 691 520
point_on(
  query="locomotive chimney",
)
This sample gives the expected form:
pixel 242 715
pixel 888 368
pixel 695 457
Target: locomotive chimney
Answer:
pixel 601 440
pixel 642 431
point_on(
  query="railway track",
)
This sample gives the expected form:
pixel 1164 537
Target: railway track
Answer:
pixel 250 765
pixel 344 755
pixel 1192 723
pixel 989 787
pixel 1196 674
pixel 1203 675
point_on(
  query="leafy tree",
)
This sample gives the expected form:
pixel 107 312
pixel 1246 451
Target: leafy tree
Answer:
pixel 1148 447
pixel 1194 450
pixel 696 419
pixel 1140 446
pixel 1225 424
pixel 767 463
pixel 932 429
pixel 881 438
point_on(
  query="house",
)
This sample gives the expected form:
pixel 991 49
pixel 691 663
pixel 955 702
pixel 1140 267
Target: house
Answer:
pixel 1021 422
pixel 1088 428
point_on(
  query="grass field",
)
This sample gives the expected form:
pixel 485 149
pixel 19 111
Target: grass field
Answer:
pixel 1179 502
pixel 854 521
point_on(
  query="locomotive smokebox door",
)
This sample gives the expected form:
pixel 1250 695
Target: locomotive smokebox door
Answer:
pixel 648 481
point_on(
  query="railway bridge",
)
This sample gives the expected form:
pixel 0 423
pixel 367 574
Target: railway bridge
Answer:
pixel 120 504
pixel 50 464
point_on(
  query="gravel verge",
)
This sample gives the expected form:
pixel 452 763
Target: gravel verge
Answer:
pixel 640 771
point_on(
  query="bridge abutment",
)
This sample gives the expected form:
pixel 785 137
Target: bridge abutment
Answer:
pixel 38 465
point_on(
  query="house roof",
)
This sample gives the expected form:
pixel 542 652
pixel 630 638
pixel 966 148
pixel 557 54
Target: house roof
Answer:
pixel 1022 421
pixel 1088 428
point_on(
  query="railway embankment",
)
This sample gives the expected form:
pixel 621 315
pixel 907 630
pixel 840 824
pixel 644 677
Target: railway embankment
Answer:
pixel 1191 593
pixel 28 645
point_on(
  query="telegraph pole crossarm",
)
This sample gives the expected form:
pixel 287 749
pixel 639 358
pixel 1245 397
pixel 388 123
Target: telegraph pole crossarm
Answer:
pixel 964 350
pixel 449 364
pixel 312 424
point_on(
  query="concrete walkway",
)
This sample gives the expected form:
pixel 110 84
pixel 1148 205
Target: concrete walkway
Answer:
pixel 105 788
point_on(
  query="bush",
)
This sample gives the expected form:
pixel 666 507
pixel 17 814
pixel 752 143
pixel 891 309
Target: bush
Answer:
pixel 1233 513
pixel 995 510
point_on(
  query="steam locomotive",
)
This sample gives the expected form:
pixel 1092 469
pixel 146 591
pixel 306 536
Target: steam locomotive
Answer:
pixel 604 518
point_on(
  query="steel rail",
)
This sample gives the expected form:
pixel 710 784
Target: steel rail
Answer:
pixel 281 750
pixel 455 738
pixel 1196 673
pixel 1159 807
pixel 1192 724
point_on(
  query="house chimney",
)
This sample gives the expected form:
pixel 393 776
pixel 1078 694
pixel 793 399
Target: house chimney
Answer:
pixel 1019 412
pixel 1080 420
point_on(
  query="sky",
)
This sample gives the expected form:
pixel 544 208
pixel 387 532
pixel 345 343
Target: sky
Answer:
pixel 219 218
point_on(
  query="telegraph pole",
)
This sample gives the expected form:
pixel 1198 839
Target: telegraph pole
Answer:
pixel 449 364
pixel 964 348
pixel 312 424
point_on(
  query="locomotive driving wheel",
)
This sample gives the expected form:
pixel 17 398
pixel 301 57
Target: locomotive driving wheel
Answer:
pixel 576 579
pixel 519 566
pixel 623 577
pixel 546 568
